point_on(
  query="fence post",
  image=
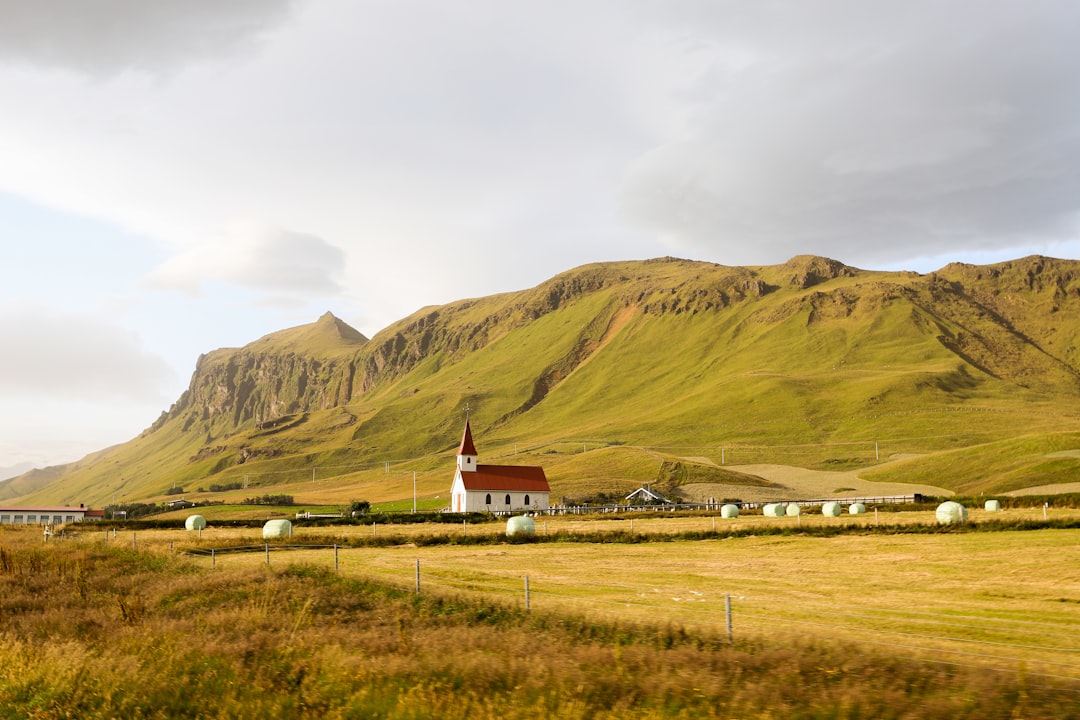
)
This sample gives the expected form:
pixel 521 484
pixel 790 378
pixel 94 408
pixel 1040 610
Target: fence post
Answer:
pixel 417 576
pixel 335 560
pixel 213 559
pixel 464 526
pixel 267 546
pixel 527 607
pixel 727 612
pixel 132 541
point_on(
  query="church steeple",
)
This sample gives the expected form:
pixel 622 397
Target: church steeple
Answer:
pixel 466 454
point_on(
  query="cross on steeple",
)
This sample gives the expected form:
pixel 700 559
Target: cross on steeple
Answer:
pixel 467 410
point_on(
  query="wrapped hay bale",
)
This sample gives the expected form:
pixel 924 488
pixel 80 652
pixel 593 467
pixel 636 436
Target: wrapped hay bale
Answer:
pixel 729 511
pixel 520 525
pixel 992 505
pixel 951 513
pixel 793 510
pixel 831 509
pixel 195 522
pixel 277 529
pixel 773 510
pixel 856 509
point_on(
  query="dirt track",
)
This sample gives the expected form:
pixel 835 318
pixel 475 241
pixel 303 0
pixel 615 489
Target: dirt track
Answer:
pixel 799 483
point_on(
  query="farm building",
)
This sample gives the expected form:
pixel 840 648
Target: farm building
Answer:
pixel 495 488
pixel 47 515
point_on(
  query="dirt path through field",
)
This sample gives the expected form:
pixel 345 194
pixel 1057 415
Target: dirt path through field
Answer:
pixel 800 483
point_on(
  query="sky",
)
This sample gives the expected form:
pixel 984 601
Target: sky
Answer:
pixel 183 175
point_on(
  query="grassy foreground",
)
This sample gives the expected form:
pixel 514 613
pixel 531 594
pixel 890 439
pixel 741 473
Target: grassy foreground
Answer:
pixel 93 630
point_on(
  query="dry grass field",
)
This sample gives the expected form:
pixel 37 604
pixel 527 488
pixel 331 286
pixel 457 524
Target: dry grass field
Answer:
pixel 870 623
pixel 1002 600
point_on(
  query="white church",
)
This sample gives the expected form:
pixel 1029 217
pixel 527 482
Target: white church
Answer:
pixel 495 488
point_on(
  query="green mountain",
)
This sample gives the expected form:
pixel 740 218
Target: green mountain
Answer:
pixel 616 374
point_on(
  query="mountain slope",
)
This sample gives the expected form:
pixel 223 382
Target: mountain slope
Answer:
pixel 798 361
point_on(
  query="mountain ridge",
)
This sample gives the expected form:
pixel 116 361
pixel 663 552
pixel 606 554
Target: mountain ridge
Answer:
pixel 640 352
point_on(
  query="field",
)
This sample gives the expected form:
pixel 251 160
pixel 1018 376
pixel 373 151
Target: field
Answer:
pixel 1004 600
pixel 601 616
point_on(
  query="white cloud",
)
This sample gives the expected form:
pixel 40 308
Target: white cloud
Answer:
pixel 259 257
pixel 55 354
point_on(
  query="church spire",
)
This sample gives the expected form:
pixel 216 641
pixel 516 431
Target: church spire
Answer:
pixel 467 451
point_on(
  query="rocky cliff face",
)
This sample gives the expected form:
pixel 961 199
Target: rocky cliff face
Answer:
pixel 272 377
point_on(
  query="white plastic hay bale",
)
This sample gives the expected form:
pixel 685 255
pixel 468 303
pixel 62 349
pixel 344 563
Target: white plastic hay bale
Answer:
pixel 992 505
pixel 277 529
pixel 793 510
pixel 729 511
pixel 520 525
pixel 773 510
pixel 831 509
pixel 951 513
pixel 856 509
pixel 195 522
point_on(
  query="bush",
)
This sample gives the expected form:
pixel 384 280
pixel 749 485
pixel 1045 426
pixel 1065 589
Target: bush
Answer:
pixel 215 487
pixel 269 500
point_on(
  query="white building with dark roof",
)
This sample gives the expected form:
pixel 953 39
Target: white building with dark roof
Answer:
pixel 47 515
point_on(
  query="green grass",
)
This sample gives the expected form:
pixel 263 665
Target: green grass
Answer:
pixel 993 467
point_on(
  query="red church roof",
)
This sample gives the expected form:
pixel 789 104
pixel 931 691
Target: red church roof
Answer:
pixel 524 478
pixel 467 447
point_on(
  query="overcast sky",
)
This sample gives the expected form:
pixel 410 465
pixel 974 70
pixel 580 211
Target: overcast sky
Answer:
pixel 181 176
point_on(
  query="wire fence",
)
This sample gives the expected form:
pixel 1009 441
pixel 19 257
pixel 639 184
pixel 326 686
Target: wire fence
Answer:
pixel 1046 650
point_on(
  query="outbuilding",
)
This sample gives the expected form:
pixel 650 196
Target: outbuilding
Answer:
pixel 495 488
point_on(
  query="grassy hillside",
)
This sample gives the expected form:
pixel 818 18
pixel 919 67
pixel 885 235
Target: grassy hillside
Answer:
pixel 811 363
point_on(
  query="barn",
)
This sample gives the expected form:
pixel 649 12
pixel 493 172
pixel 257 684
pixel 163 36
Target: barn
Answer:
pixel 495 488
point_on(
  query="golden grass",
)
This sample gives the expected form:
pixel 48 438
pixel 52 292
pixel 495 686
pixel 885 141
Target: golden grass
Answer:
pixel 101 631
pixel 1003 587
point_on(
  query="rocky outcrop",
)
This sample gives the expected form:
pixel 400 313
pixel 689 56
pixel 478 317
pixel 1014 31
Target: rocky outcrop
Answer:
pixel 270 378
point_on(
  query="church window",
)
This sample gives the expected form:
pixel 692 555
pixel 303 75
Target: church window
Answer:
pixel 487 499
pixel 507 498
pixel 526 499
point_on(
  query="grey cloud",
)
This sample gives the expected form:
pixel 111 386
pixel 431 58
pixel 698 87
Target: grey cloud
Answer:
pixel 61 355
pixel 108 36
pixel 916 129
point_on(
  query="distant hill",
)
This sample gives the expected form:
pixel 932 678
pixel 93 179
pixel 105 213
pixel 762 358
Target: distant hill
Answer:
pixel 680 369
